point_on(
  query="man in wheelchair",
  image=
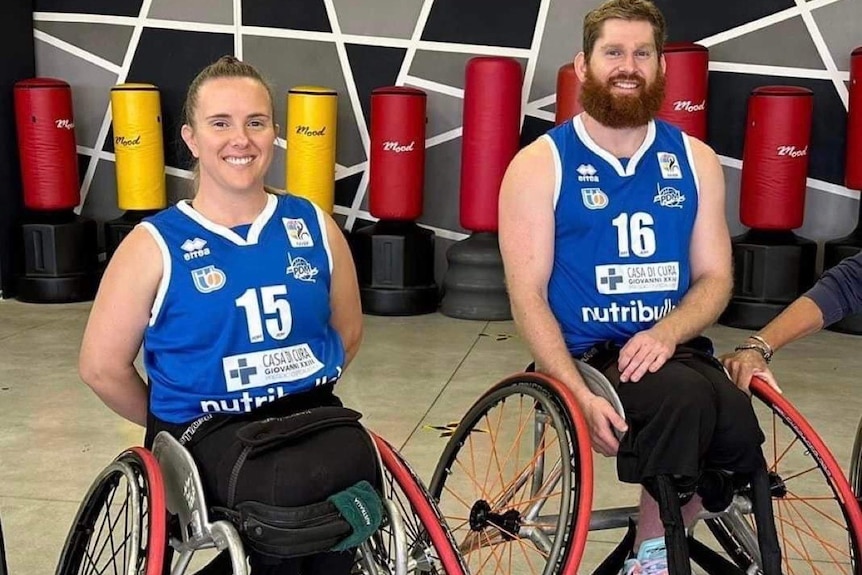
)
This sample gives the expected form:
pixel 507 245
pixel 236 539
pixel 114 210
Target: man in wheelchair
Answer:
pixel 242 352
pixel 617 253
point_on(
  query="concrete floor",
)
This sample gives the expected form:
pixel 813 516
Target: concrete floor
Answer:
pixel 411 374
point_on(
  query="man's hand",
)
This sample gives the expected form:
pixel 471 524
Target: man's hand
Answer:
pixel 744 364
pixel 602 418
pixel 646 351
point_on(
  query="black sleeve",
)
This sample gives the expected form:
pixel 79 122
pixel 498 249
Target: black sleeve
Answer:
pixel 838 293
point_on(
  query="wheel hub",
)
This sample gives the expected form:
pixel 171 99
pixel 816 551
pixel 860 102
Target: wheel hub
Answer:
pixel 508 523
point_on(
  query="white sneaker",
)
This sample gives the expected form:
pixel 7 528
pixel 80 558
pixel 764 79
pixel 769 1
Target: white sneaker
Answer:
pixel 651 559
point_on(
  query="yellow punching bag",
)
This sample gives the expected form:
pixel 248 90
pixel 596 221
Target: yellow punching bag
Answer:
pixel 311 117
pixel 138 147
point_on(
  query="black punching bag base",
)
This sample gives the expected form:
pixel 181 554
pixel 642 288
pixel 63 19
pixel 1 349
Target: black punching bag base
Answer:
pixel 474 286
pixel 395 267
pixel 835 251
pixel 750 314
pixel 770 270
pixel 60 258
pixel 66 289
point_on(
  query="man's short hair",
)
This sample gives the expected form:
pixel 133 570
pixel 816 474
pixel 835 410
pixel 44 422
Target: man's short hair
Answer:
pixel 632 10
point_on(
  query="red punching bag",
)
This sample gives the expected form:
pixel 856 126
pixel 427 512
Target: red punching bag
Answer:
pixel 492 121
pixel 853 169
pixel 568 103
pixel 397 153
pixel 775 157
pixel 46 140
pixel 686 75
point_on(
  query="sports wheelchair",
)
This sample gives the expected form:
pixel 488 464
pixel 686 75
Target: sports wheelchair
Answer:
pixel 515 485
pixel 145 514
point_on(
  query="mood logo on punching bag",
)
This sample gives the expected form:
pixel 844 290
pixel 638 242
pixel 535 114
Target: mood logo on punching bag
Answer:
pixel 308 131
pixel 65 123
pixel 127 142
pixel 397 147
pixel 208 279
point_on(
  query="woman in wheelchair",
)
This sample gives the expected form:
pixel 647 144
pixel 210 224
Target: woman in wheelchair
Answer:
pixel 246 303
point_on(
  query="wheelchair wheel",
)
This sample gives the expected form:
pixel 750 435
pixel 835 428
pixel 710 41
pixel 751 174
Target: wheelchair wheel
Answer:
pixel 817 516
pixel 120 525
pixel 430 548
pixel 3 570
pixel 514 482
pixel 856 463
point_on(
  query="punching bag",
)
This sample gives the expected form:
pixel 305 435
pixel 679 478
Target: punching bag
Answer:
pixel 395 257
pixel 46 140
pixel 312 113
pixel 474 286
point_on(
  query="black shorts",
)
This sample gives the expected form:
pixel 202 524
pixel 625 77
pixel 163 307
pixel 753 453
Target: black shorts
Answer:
pixel 686 417
pixel 286 477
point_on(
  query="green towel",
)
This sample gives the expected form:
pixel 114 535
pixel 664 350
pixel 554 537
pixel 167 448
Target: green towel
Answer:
pixel 361 507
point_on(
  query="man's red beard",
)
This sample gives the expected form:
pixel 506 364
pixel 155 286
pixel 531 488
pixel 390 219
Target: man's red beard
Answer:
pixel 615 111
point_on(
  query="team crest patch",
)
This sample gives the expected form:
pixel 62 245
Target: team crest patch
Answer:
pixel 668 197
pixel 300 269
pixel 208 279
pixel 297 233
pixel 594 198
pixel 670 169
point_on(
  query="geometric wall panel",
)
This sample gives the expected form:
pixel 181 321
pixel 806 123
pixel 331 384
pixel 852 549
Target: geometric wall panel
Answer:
pixel 292 14
pixel 107 7
pixel 482 22
pixel 346 188
pixel 839 24
pixel 441 207
pixel 208 11
pixel 364 18
pixel 785 43
pixel 107 41
pixel 445 68
pixel 691 21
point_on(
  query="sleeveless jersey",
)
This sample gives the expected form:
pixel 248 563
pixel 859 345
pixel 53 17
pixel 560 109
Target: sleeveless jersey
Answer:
pixel 622 233
pixel 239 321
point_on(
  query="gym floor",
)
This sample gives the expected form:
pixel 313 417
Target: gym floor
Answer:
pixel 412 376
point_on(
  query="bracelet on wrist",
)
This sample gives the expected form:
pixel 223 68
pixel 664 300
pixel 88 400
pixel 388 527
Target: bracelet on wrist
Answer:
pixel 764 353
pixel 759 339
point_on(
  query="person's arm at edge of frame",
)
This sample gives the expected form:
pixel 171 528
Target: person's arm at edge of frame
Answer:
pixel 836 295
pixel 115 328
pixel 526 231
pixel 711 273
pixel 344 302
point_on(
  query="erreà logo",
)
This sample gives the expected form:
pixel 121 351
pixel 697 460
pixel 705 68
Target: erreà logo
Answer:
pixel 587 173
pixel 308 131
pixel 127 142
pixel 392 146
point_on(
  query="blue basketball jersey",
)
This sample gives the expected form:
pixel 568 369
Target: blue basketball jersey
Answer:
pixel 240 320
pixel 622 233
